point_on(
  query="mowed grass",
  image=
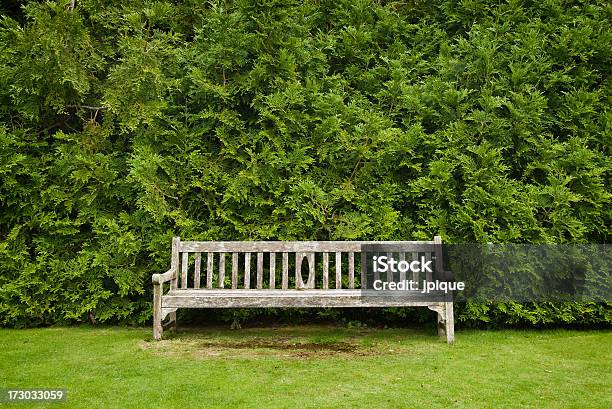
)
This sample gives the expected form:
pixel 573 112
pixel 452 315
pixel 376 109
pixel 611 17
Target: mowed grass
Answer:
pixel 310 367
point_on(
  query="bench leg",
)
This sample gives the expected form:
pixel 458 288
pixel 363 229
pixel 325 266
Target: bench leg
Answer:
pixel 440 309
pixel 158 329
pixel 446 320
pixel 449 322
pixel 442 322
pixel 173 320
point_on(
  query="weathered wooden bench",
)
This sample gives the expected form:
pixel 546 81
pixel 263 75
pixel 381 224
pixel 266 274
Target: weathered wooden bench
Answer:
pixel 252 280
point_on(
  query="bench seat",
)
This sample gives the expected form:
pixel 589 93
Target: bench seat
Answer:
pixel 241 298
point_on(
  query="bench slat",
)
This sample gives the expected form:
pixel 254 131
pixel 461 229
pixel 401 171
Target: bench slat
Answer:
pixel 415 274
pixel 389 272
pixel 364 262
pixel 196 276
pixel 285 278
pixel 376 272
pixel 247 270
pixel 351 261
pixel 260 270
pixel 209 270
pixel 325 271
pixel 176 244
pixel 439 264
pixel 299 280
pixel 272 270
pixel 285 298
pixel 298 270
pixel 312 270
pixel 184 267
pixel 234 271
pixel 338 270
pixel 402 273
pixel 428 274
pixel 222 270
pixel 295 246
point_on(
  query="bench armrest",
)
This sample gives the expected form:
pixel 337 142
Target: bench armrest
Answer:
pixel 162 278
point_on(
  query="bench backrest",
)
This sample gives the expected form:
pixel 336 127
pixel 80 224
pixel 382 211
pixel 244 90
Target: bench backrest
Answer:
pixel 267 264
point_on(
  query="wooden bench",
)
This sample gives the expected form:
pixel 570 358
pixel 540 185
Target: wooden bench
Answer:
pixel 243 274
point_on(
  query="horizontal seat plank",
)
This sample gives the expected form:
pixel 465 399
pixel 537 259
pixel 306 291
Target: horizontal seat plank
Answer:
pixel 242 298
pixel 295 246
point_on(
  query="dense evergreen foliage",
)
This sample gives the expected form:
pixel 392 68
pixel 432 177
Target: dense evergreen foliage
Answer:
pixel 123 123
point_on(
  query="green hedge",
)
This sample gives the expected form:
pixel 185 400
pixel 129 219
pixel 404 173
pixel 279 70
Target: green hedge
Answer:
pixel 123 123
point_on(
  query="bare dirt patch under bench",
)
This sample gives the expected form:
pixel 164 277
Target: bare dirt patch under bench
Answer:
pixel 283 343
pixel 258 348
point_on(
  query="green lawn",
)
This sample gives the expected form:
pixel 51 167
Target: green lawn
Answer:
pixel 310 366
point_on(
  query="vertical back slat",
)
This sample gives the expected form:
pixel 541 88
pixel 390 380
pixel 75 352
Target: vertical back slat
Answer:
pixel 196 275
pixel 247 270
pixel 298 270
pixel 176 242
pixel 272 270
pixel 376 272
pixel 439 264
pixel 338 270
pixel 402 274
pixel 222 270
pixel 234 271
pixel 259 270
pixel 415 274
pixel 351 270
pixel 389 272
pixel 285 278
pixel 311 270
pixel 428 274
pixel 209 270
pixel 325 271
pixel 364 263
pixel 184 267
